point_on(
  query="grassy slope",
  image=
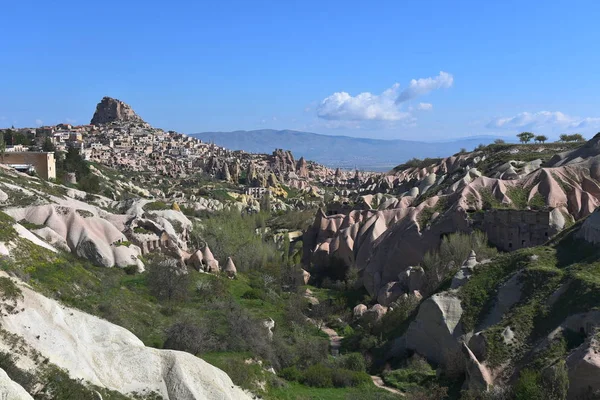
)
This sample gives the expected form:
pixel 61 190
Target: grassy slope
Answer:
pixel 566 261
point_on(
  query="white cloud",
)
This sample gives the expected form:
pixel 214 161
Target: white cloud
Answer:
pixel 543 119
pixel 422 86
pixel 341 106
pixel 362 107
pixel 39 122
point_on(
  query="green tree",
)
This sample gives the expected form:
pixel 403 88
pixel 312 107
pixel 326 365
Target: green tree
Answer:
pixel 528 387
pixel 48 146
pixel 167 281
pixel 499 141
pixel 525 137
pixel 555 381
pixel 576 137
pixel 541 138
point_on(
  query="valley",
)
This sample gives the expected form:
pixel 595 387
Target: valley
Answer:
pixel 154 265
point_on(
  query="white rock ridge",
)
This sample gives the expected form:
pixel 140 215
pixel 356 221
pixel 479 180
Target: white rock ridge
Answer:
pixel 10 390
pixel 110 356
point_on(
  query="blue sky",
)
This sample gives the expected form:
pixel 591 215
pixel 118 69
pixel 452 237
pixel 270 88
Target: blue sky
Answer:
pixel 425 70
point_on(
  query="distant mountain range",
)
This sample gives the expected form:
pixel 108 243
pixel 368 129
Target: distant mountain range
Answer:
pixel 340 151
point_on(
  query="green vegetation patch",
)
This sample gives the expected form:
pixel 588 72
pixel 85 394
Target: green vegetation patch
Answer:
pixel 7 232
pixel 156 206
pixel 415 375
pixel 9 291
pixel 417 163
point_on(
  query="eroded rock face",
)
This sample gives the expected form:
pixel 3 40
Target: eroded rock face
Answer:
pixel 437 330
pixel 11 390
pixel 389 293
pixel 113 110
pixel 230 269
pixel 465 272
pixel 374 314
pixel 88 236
pixel 359 311
pixel 478 376
pixel 584 369
pixel 590 229
pixel 106 355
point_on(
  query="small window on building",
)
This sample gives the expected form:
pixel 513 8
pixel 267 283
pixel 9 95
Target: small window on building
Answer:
pixel 546 234
pixel 522 243
pixel 510 245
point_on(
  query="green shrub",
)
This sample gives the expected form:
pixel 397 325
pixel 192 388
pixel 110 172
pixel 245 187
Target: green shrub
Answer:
pixel 342 377
pixel 156 206
pixel 30 226
pixel 347 330
pixel 528 386
pixel 454 249
pixel 353 362
pixel 131 269
pixel 416 374
pixel 142 230
pixel 318 375
pixel 489 201
pixel 291 374
pixel 254 294
pixel 555 381
pixel 9 290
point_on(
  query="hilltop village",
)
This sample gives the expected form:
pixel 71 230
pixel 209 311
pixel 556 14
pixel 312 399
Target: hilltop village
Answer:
pixel 118 138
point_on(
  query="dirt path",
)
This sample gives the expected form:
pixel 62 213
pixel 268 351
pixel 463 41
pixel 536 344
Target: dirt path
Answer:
pixel 380 384
pixel 335 342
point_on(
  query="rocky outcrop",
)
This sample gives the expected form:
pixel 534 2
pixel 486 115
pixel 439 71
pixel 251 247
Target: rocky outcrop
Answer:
pixel 209 263
pixel 10 390
pixel 113 110
pixel 374 314
pixel 109 356
pixel 436 332
pixel 390 233
pixel 479 377
pixel 389 293
pixel 590 229
pixel 84 233
pixel 465 271
pixel 584 369
pixel 359 311
pixel 230 269
pixel 282 161
pixel 302 168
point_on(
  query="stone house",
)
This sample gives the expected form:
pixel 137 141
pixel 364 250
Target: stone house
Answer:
pixel 43 163
pixel 511 230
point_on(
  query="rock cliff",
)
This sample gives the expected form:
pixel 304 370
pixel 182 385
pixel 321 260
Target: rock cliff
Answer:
pixel 113 110
pixel 108 356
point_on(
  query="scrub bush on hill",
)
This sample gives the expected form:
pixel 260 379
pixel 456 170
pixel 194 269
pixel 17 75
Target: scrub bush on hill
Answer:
pixel 327 375
pixel 454 249
pixel 230 234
